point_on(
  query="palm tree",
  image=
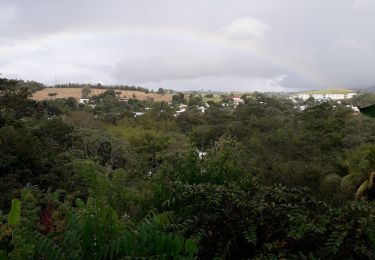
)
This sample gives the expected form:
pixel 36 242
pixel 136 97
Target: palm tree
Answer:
pixel 367 188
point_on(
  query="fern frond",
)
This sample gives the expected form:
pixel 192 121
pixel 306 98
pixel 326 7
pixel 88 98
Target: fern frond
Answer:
pixel 47 248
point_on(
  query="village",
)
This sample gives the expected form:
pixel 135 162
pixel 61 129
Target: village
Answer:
pixel 232 101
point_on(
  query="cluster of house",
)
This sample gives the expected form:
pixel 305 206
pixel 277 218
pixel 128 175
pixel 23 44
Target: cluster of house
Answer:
pixel 86 101
pixel 182 108
pixel 319 96
pixel 235 102
pixel 353 108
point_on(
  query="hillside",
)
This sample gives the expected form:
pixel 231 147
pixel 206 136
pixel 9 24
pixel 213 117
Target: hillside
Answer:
pixel 276 180
pixel 76 93
pixel 328 91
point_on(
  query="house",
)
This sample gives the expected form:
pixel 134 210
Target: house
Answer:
pixel 318 96
pixel 237 101
pixel 138 114
pixel 181 110
pixel 353 108
pixel 123 99
pixel 323 96
pixel 201 154
pixel 202 109
pixel 301 96
pixel 84 101
pixel 182 106
pixel 334 96
pixel 350 95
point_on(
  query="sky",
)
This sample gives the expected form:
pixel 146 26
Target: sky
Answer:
pixel 218 45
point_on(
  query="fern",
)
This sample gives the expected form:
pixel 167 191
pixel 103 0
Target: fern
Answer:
pixel 47 248
pixel 149 240
pixel 334 241
pixel 250 235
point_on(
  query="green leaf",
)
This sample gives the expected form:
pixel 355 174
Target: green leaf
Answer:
pixel 191 247
pixel 3 255
pixel 15 212
pixel 361 190
pixel 80 204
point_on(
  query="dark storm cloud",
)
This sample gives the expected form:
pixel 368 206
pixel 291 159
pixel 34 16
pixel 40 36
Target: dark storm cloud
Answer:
pixel 222 44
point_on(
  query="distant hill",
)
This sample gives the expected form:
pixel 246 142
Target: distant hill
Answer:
pixel 329 91
pixel 369 89
pixel 76 93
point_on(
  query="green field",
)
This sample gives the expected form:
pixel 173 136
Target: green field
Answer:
pixel 215 98
pixel 328 91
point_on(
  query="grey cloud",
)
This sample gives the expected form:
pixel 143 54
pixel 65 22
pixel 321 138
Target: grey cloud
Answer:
pixel 223 44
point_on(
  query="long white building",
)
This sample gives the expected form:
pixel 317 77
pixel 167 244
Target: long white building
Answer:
pixel 332 96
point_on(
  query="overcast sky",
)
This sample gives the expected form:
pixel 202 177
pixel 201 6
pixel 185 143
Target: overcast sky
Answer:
pixel 226 45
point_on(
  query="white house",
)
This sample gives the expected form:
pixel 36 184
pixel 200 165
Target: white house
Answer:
pixel 353 108
pixel 302 96
pixel 182 110
pixel 318 96
pixel 350 95
pixel 237 101
pixel 334 96
pixel 138 114
pixel 201 154
pixel 84 100
pixel 202 109
pixel 182 106
pixel 123 99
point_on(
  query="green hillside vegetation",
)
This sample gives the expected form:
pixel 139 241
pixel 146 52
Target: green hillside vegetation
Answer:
pixel 214 98
pixel 96 182
pixel 328 91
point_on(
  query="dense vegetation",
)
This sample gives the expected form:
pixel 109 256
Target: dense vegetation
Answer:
pixel 95 182
pixel 100 86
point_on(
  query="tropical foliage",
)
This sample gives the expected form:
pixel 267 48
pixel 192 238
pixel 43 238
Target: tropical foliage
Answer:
pixel 261 180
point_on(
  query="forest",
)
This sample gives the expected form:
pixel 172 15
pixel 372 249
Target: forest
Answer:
pixel 261 180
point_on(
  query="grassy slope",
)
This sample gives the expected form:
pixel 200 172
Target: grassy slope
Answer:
pixel 77 93
pixel 216 99
pixel 328 91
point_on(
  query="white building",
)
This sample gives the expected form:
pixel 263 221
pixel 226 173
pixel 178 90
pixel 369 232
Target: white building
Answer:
pixel 350 95
pixel 182 110
pixel 84 100
pixel 237 101
pixel 182 106
pixel 202 109
pixel 353 108
pixel 334 96
pixel 301 96
pixel 318 96
pixel 201 154
pixel 138 114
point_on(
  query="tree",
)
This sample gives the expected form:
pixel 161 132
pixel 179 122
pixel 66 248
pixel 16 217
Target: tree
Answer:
pixel 179 98
pixel 86 91
pixel 161 91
